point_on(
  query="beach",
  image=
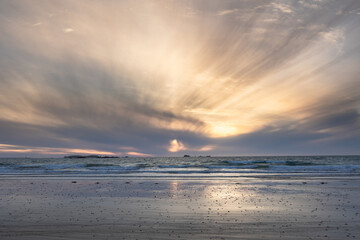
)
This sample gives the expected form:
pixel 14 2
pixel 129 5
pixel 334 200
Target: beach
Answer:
pixel 179 208
pixel 179 120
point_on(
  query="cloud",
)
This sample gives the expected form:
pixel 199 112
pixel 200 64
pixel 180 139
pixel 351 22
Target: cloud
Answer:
pixel 37 24
pixel 68 30
pixel 138 154
pixel 131 80
pixel 204 148
pixel 282 7
pixel 176 146
pixel 226 12
pixel 88 151
pixel 46 151
pixel 334 35
pixel 314 4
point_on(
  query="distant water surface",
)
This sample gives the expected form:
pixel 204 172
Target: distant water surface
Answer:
pixel 184 167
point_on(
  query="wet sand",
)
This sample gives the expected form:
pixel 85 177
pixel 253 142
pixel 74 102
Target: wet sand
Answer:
pixel 94 208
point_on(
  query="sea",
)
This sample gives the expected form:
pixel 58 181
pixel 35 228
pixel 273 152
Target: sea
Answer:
pixel 184 167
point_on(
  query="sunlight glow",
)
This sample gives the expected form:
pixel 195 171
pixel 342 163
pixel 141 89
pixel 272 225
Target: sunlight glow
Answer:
pixel 176 146
pixel 223 130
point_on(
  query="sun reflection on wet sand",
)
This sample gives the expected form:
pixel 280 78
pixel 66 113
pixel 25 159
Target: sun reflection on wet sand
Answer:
pixel 182 209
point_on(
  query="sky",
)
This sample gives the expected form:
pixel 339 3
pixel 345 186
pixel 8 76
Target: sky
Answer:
pixel 167 78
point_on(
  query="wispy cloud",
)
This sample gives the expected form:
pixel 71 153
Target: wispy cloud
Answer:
pixel 6 148
pixel 283 7
pixel 139 154
pixel 37 24
pixel 334 35
pixel 68 30
pixel 227 11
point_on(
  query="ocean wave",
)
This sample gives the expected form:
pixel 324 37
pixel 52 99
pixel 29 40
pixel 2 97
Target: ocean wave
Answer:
pixel 298 163
pixel 316 168
pixel 236 166
pixel 177 166
pixel 162 166
pixel 5 164
pixel 205 171
pixel 92 165
pixel 29 167
pixel 245 162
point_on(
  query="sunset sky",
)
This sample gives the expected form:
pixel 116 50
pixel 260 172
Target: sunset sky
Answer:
pixel 168 78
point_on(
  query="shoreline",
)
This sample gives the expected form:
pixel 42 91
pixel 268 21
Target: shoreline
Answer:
pixel 267 176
